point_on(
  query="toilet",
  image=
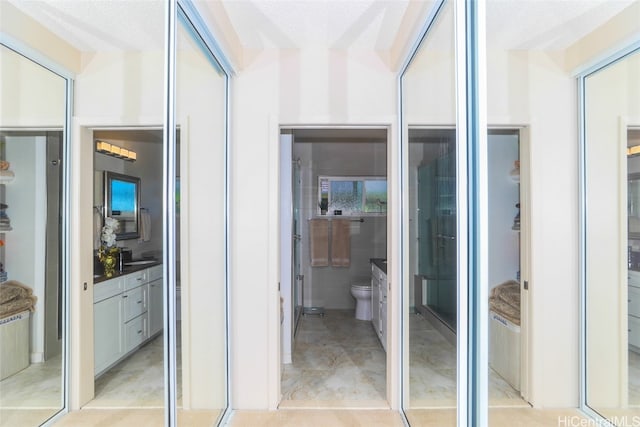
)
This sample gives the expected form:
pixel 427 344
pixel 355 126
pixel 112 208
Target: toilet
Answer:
pixel 361 291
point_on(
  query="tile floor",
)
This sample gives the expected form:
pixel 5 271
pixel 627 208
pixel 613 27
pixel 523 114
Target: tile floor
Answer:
pixel 432 371
pixel 337 360
pixel 136 382
pixel 32 395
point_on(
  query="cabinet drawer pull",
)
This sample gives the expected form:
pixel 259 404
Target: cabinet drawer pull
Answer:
pixel 125 296
pixel 139 302
pixel 139 331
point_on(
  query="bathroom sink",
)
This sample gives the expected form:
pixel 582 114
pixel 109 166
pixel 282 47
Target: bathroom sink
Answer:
pixel 141 262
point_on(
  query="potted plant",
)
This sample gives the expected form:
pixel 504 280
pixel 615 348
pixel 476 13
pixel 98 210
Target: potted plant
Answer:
pixel 108 252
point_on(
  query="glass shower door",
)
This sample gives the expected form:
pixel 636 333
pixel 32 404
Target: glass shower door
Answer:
pixel 437 234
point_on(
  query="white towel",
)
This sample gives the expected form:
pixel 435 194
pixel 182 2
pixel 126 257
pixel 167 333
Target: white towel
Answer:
pixel 145 226
pixel 97 227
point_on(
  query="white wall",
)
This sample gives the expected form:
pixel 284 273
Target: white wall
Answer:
pixel 126 88
pixel 32 96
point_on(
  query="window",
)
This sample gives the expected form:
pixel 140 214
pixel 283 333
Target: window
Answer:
pixel 352 196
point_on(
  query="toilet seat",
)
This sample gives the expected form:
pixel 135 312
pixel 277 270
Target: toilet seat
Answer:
pixel 361 287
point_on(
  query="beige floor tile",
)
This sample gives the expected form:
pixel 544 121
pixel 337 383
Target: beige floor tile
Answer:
pixel 531 417
pixel 25 417
pixel 113 418
pixel 336 358
pixel 498 417
pixel 135 418
pixel 316 418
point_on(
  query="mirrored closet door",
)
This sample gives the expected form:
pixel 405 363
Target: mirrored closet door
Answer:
pixel 33 316
pixel 611 263
pixel 201 237
pixel 429 95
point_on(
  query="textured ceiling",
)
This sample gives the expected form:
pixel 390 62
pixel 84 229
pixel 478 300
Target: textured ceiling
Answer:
pixel 107 25
pixel 546 24
pixel 342 24
pixel 101 25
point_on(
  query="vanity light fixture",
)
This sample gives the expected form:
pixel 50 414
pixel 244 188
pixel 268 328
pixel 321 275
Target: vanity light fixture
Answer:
pixel 116 151
pixel 634 150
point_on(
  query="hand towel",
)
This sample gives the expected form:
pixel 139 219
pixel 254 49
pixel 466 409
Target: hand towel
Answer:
pixel 319 242
pixel 145 225
pixel 341 243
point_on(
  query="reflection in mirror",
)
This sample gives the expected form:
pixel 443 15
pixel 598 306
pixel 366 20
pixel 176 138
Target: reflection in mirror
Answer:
pixel 612 245
pixel 122 202
pixel 32 320
pixel 508 231
pixel 201 87
pixel 429 94
pixel 119 101
pixel 128 308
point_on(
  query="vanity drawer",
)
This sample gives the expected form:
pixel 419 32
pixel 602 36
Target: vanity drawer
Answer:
pixel 133 280
pixel 633 298
pixel 107 289
pixel 634 331
pixel 135 332
pixel 135 302
pixel 155 272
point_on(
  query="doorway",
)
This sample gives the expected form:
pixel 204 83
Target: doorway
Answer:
pixel 31 271
pixel 128 306
pixel 333 256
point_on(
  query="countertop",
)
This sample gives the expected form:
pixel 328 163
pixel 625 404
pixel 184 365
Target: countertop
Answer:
pixel 381 263
pixel 127 270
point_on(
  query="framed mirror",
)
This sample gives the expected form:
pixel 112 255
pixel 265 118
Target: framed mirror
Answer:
pixel 122 202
